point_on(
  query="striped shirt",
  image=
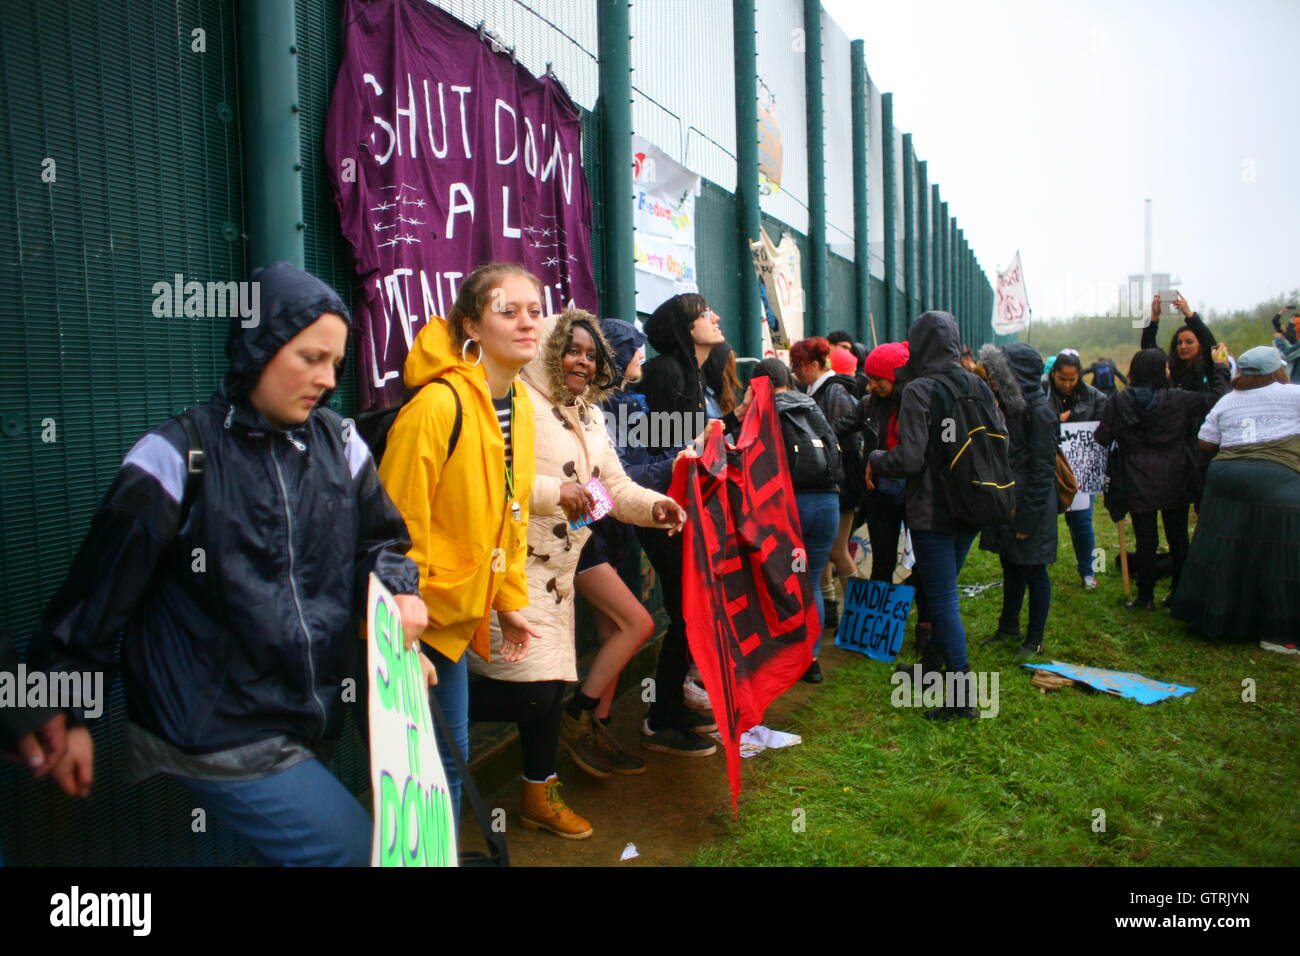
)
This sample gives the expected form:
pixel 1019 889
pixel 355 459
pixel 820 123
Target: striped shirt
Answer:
pixel 503 407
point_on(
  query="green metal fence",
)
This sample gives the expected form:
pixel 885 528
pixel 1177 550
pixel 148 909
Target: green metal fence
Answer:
pixel 141 134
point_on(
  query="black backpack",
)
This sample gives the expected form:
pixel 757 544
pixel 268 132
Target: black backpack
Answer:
pixel 975 461
pixel 1104 377
pixel 807 455
pixel 373 426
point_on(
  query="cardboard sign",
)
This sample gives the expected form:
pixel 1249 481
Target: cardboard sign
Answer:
pixel 874 619
pixel 413 809
pixel 1144 690
pixel 1087 460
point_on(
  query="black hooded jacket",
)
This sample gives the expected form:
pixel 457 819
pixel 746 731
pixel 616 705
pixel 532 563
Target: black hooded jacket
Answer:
pixel 240 615
pixel 935 346
pixel 1032 434
pixel 673 382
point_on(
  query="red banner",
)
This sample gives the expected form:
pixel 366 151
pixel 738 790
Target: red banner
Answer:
pixel 746 596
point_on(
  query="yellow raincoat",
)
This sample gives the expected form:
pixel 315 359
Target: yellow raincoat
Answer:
pixel 465 540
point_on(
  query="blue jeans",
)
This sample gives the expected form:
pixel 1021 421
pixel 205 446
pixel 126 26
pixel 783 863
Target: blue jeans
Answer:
pixel 1080 525
pixel 301 816
pixel 819 521
pixel 452 693
pixel 939 558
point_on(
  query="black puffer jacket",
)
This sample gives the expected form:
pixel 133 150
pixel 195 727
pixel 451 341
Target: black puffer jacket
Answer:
pixel 1155 429
pixel 240 620
pixel 1032 430
pixel 935 346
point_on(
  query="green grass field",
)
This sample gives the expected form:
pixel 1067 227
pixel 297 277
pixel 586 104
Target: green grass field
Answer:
pixel 1204 780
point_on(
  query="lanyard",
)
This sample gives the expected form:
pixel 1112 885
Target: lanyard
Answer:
pixel 510 463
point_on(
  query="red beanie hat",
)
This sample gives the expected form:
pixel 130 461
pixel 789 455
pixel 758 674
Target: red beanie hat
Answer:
pixel 885 360
pixel 843 361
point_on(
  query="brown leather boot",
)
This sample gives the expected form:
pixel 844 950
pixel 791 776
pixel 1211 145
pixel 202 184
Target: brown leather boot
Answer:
pixel 579 734
pixel 544 809
pixel 619 759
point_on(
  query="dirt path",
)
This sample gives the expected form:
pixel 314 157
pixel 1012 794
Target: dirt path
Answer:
pixel 675 807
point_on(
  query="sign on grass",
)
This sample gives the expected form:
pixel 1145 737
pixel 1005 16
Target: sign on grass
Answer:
pixel 1144 690
pixel 413 816
pixel 874 618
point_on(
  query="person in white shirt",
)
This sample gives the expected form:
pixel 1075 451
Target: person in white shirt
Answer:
pixel 1242 565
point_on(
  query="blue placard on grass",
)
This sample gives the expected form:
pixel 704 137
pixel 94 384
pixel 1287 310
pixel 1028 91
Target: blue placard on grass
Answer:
pixel 874 618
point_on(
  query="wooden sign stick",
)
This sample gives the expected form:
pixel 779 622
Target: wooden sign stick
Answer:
pixel 1123 558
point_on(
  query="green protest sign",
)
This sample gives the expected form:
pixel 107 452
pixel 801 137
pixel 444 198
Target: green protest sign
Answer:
pixel 413 815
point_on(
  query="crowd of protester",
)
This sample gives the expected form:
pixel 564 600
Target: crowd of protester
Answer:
pixel 477 516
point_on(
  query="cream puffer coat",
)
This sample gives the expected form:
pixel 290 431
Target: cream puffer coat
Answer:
pixel 571 444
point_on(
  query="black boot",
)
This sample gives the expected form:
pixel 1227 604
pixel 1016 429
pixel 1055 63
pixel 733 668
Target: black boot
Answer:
pixel 929 656
pixel 956 706
pixel 832 612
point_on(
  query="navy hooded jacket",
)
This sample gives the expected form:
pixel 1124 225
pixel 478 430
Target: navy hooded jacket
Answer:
pixel 240 616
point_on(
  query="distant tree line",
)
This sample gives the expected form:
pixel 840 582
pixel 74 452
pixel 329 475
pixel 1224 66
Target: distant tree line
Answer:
pixel 1115 337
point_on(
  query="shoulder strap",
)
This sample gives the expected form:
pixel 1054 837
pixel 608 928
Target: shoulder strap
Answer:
pixel 455 428
pixel 496 841
pixel 193 460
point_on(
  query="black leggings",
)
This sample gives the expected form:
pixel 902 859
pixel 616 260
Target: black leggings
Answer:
pixel 1015 579
pixel 534 706
pixel 1144 529
pixel 665 554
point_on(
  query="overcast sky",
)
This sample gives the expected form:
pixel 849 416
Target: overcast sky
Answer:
pixel 1047 124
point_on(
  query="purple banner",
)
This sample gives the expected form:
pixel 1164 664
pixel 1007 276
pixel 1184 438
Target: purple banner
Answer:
pixel 445 155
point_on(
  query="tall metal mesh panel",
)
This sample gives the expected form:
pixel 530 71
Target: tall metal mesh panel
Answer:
pixel 143 132
pixel 678 51
pixel 781 46
pixel 841 298
pixel 875 188
pixel 838 102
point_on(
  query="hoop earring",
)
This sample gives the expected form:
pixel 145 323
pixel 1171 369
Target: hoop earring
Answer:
pixel 464 358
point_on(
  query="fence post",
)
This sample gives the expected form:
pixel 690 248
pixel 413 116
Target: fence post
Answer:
pixel 923 236
pixel 888 183
pixel 747 210
pixel 936 252
pixel 268 65
pixel 615 72
pixel 861 217
pixel 909 231
pixel 813 82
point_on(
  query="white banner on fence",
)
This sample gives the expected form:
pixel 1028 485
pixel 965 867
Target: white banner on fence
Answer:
pixel 1012 311
pixel 1087 460
pixel 664 222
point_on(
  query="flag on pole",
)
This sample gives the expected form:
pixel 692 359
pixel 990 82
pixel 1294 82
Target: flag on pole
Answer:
pixel 1012 311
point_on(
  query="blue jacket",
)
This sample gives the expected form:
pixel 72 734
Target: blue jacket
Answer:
pixel 239 611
